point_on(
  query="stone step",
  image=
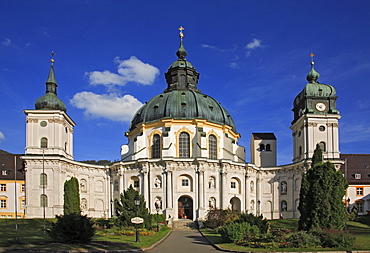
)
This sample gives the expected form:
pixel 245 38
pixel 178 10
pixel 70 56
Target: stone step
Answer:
pixel 184 225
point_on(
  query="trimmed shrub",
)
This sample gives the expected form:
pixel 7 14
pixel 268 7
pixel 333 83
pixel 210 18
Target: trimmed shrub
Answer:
pixel 237 232
pixel 258 221
pixel 334 238
pixel 303 239
pixel 72 228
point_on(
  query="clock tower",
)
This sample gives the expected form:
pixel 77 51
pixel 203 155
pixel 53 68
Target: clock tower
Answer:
pixel 315 120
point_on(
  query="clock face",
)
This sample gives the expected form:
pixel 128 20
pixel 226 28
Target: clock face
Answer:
pixel 320 107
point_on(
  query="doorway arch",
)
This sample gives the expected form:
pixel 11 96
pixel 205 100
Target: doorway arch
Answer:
pixel 235 204
pixel 185 207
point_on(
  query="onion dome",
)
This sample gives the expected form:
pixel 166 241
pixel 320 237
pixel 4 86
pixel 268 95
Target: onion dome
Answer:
pixel 50 100
pixel 313 93
pixel 182 99
pixel 314 88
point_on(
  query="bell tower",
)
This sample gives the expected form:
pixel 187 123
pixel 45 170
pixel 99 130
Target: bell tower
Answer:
pixel 315 119
pixel 49 129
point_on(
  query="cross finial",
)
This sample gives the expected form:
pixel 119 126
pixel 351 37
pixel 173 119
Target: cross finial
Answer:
pixel 52 56
pixel 312 61
pixel 181 33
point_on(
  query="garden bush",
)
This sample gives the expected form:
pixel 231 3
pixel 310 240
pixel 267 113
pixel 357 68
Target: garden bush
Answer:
pixel 303 239
pixel 237 232
pixel 334 238
pixel 72 228
pixel 258 221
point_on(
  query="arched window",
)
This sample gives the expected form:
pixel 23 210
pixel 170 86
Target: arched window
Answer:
pixel 43 200
pixel 262 147
pixel 322 146
pixel 212 145
pixel 184 145
pixel 156 146
pixel 268 147
pixel 43 179
pixel 44 142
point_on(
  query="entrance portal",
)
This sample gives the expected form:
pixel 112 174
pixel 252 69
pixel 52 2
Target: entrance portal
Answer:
pixel 185 208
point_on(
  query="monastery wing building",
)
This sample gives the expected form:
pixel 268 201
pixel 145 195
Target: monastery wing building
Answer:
pixel 182 153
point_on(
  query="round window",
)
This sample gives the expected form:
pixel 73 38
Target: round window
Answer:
pixel 322 128
pixel 43 123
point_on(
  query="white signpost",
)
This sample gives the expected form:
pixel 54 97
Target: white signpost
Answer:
pixel 137 220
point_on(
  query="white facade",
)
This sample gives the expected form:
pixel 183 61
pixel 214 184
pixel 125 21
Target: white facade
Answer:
pixel 182 165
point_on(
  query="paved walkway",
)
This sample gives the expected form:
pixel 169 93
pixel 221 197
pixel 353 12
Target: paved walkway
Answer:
pixel 183 242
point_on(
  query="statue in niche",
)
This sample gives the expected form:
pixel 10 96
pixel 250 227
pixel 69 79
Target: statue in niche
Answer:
pixel 158 203
pixel 284 187
pixel 83 204
pixel 283 206
pixel 212 203
pixel 157 182
pixel 83 185
pixel 211 183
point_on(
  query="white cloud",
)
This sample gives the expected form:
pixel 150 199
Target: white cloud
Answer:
pixel 2 136
pixel 7 42
pixel 109 106
pixel 209 46
pixel 130 70
pixel 234 65
pixel 255 43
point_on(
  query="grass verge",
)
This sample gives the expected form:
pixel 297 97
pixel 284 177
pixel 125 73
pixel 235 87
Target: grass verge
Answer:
pixel 30 235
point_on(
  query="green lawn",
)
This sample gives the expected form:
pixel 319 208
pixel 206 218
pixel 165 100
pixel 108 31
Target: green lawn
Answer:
pixel 360 229
pixel 30 235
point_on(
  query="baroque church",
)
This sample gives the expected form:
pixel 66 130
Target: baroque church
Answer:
pixel 182 154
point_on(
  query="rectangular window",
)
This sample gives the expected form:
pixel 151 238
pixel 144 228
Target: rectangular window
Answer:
pixel 3 187
pixel 23 189
pixel 2 203
pixel 4 172
pixel 136 183
pixel 23 204
pixel 357 176
pixel 359 191
pixel 185 182
pixel 233 185
pixel 360 207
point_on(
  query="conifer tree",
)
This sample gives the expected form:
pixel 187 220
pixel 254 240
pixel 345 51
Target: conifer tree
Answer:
pixel 126 209
pixel 71 197
pixel 321 195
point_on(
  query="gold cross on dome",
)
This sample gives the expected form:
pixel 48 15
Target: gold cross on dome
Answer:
pixel 181 33
pixel 312 61
pixel 52 56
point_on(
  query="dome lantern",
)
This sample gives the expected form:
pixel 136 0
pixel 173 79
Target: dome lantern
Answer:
pixel 181 75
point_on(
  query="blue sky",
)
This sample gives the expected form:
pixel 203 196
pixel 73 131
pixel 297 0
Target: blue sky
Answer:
pixel 252 56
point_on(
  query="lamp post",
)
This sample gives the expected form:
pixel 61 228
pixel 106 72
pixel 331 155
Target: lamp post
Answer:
pixel 137 203
pixel 157 209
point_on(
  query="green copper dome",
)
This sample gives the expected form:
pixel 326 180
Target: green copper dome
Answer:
pixel 182 99
pixel 50 100
pixel 316 89
pixel 186 104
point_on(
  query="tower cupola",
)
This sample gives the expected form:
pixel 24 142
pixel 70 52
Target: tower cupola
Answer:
pixel 50 100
